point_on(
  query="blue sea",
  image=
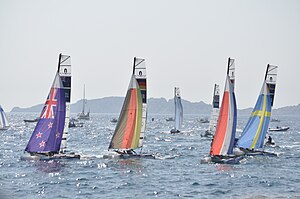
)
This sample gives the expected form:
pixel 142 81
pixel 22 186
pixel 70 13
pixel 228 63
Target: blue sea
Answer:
pixel 177 173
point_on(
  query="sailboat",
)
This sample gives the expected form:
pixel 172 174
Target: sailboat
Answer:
pixel 3 120
pixel 214 113
pixel 131 125
pixel 254 133
pixel 82 115
pixel 48 140
pixel 223 142
pixel 178 111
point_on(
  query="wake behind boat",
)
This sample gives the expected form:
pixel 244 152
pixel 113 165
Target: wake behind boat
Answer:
pixel 131 125
pixel 48 140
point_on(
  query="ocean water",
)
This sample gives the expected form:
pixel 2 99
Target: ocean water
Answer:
pixel 177 173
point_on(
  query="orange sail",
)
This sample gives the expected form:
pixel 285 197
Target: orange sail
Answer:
pixel 223 141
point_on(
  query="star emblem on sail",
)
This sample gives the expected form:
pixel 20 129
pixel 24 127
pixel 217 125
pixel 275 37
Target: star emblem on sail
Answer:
pixel 50 125
pixel 42 144
pixel 39 135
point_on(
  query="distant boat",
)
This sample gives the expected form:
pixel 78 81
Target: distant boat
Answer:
pixel 46 140
pixel 178 111
pixel 130 129
pixel 74 123
pixel 4 125
pixel 214 113
pixel 114 120
pixel 83 115
pixel 31 120
pixel 279 128
pixel 275 120
pixel 223 142
pixel 255 131
pixel 170 119
pixel 203 120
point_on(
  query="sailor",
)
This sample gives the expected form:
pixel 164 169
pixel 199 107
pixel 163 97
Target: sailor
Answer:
pixel 270 140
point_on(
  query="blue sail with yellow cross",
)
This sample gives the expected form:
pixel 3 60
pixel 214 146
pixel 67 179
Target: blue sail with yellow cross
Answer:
pixel 257 126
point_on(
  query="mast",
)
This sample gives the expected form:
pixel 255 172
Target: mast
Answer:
pixel 59 59
pixel 83 100
pixel 175 104
pixel 134 59
pixel 228 65
pixel 267 72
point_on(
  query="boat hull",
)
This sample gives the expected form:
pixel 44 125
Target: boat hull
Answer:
pixel 38 157
pixel 250 152
pixel 280 129
pixel 127 156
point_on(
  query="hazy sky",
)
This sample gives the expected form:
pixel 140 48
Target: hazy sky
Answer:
pixel 185 43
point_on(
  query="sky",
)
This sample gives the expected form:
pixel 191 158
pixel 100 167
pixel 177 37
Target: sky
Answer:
pixel 186 43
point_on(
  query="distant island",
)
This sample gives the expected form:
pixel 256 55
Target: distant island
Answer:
pixel 155 106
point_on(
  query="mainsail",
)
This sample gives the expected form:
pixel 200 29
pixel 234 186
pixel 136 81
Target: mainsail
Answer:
pixel 178 109
pixel 255 130
pixel 131 125
pixel 215 110
pixel 64 70
pixel 3 119
pixel 47 135
pixel 139 71
pixel 223 141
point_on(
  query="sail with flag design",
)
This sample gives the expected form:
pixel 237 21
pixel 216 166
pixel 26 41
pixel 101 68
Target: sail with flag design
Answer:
pixel 47 135
pixel 3 120
pixel 178 111
pixel 48 140
pixel 223 141
pixel 215 112
pixel 254 133
pixel 129 131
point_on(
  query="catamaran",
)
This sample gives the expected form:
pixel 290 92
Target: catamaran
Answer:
pixel 82 115
pixel 131 125
pixel 254 133
pixel 3 120
pixel 214 113
pixel 223 142
pixel 48 140
pixel 178 111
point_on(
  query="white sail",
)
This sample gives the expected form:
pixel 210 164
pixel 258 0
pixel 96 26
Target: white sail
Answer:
pixel 215 110
pixel 64 69
pixel 3 120
pixel 139 71
pixel 178 109
pixel 83 115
